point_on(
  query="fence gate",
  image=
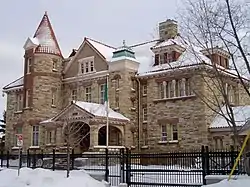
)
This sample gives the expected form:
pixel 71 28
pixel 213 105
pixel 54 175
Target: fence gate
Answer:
pixel 172 169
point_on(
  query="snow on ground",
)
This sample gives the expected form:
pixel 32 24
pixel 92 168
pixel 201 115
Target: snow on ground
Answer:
pixel 232 183
pixel 46 178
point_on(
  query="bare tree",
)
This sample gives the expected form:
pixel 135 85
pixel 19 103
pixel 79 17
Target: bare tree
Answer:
pixel 219 24
pixel 74 134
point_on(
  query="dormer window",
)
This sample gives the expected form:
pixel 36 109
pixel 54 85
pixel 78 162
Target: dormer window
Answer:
pixel 87 65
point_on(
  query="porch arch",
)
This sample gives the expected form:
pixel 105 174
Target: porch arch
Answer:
pixel 79 134
pixel 115 136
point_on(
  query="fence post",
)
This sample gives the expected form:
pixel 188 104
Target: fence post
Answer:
pixel 2 157
pixel 21 160
pixel 72 158
pixel 53 160
pixel 207 160
pixel 8 159
pixel 34 160
pixel 28 158
pixel 107 165
pixel 203 163
pixel 128 166
pixel 232 152
pixel 122 166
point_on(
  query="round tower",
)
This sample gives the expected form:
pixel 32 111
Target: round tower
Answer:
pixel 42 72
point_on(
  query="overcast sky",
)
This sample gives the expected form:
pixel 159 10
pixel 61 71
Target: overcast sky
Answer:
pixel 109 21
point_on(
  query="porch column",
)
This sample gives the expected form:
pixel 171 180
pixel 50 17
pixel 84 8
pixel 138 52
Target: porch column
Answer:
pixel 93 136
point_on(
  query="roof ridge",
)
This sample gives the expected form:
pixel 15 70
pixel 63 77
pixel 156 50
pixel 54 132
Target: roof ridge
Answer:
pixel 13 82
pixel 101 43
pixel 144 43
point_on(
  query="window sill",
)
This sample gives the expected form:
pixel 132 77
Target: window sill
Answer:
pixel 144 121
pixel 174 98
pixel 144 147
pixel 28 73
pixel 34 147
pixel 27 108
pixel 132 108
pixel 117 89
pixel 168 142
pixel 16 148
pixel 144 95
pixel 54 70
pixel 53 106
pixel 132 90
pixel 50 145
pixel 18 112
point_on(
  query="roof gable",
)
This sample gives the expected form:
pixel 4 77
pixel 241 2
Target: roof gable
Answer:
pixel 46 38
pixel 103 50
pixel 15 84
pixel 31 43
pixel 241 115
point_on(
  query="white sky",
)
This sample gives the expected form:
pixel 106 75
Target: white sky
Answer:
pixel 109 21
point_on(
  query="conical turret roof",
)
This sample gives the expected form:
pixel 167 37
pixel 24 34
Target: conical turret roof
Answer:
pixel 46 38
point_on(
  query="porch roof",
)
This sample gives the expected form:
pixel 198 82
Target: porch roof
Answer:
pixel 241 116
pixel 93 109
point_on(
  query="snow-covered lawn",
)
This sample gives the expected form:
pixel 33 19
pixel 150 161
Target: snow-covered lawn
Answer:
pixel 46 178
pixel 243 182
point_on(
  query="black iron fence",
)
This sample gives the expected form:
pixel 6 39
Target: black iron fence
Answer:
pixel 151 169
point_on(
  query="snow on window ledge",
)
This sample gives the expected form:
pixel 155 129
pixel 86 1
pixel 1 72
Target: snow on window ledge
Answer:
pixel 144 147
pixel 18 112
pixel 162 142
pixel 15 147
pixel 175 98
pixel 145 121
pixel 173 141
pixel 53 106
pixel 34 147
pixel 132 108
pixel 54 70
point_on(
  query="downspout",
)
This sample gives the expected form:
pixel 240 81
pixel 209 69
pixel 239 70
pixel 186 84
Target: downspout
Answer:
pixel 138 115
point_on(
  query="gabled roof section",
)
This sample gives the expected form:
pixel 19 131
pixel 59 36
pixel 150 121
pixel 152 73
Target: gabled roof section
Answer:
pixel 14 85
pixel 241 115
pixel 92 109
pixel 46 38
pixel 99 110
pixel 104 50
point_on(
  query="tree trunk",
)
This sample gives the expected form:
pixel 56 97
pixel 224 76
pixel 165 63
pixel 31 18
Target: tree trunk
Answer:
pixel 68 160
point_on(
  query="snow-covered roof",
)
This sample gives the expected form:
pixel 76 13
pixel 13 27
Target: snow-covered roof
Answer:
pixel 14 85
pixel 241 115
pixel 175 41
pixel 192 56
pixel 105 50
pixel 99 110
pixel 45 37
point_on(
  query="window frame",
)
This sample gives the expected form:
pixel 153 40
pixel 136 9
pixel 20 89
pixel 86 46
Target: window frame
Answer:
pixel 87 65
pixel 144 114
pixel 74 95
pixel 27 98
pixel 144 90
pixel 102 93
pixel 164 134
pixel 173 131
pixel 29 65
pixel 88 96
pixel 35 135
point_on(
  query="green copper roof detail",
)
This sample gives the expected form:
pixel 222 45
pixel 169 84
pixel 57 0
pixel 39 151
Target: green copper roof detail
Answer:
pixel 124 51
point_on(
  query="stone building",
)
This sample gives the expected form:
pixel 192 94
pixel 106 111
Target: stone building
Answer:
pixel 155 110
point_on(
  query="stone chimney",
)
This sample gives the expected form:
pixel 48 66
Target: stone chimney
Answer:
pixel 168 29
